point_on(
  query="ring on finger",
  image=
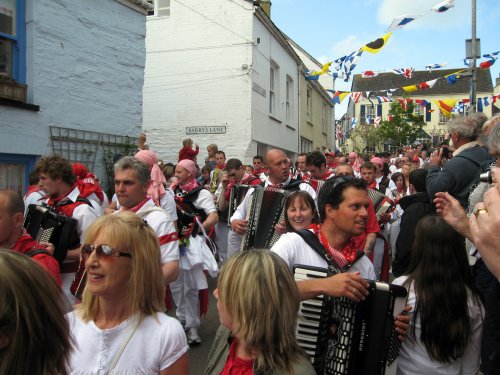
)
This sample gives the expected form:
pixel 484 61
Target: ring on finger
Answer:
pixel 479 211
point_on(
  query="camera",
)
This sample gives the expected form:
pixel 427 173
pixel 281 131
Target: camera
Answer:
pixel 486 177
pixel 446 152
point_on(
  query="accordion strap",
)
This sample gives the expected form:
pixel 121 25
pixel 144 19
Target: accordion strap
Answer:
pixel 34 252
pixel 315 244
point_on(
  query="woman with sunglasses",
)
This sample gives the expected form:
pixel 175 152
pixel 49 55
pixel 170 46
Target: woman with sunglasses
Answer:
pixel 119 326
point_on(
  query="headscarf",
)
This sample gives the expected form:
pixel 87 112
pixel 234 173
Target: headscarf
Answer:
pixel 378 161
pixel 156 188
pixel 356 165
pixel 191 168
pixel 86 182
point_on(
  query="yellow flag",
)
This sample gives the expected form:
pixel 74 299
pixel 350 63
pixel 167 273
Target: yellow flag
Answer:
pixel 377 44
pixel 445 106
pixel 410 88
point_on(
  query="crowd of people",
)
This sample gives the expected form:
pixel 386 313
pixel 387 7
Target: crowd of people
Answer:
pixel 424 218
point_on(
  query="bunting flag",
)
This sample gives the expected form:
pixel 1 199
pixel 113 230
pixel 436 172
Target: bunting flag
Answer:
pixel 341 75
pixel 492 56
pixel 338 96
pixel 431 67
pixel 410 88
pixel 356 96
pixel 468 62
pixel 405 72
pixel 452 79
pixel 354 122
pixel 339 133
pixel 324 69
pixel 350 62
pixel 480 104
pixel 486 101
pixel 401 21
pixel 377 44
pixel 311 77
pixel 404 102
pixel 428 84
pixel 376 121
pixel 443 6
pixel 445 106
pixel 486 64
pixel 383 99
pixel 422 102
pixel 369 74
pixel 391 118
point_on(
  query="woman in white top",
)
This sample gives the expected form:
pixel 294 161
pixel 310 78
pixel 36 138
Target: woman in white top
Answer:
pixel 447 315
pixel 120 327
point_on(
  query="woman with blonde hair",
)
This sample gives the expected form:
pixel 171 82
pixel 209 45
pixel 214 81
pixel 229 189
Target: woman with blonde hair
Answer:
pixel 120 325
pixel 258 302
pixel 34 334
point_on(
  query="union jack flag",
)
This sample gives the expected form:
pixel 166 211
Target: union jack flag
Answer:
pixel 405 72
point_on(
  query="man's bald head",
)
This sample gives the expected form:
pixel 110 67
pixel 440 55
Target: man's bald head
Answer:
pixel 278 165
pixel 11 201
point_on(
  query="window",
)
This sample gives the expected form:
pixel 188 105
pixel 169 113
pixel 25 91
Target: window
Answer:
pixel 161 8
pixel 368 114
pixel 305 145
pixel 442 118
pixel 289 100
pixel 14 171
pixel 309 105
pixel 324 118
pixel 12 40
pixel 418 110
pixel 273 87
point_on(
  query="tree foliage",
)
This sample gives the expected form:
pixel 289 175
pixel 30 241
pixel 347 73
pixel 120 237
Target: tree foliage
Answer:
pixel 403 127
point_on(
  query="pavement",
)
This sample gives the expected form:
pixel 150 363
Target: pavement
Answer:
pixel 198 355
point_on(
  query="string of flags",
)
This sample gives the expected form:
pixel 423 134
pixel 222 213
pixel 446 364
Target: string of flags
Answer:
pixel 345 64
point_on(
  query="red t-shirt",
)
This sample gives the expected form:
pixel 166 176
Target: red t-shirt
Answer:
pixel 26 243
pixel 235 365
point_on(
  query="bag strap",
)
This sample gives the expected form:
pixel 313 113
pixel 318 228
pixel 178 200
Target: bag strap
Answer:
pixel 124 345
pixel 34 252
pixel 312 240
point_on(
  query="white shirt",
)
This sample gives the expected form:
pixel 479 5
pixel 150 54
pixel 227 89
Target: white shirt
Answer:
pixel 35 198
pixel 294 250
pixel 158 342
pixel 167 202
pixel 413 357
pixel 241 211
pixel 164 228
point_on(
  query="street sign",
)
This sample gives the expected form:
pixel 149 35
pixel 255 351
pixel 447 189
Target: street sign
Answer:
pixel 192 130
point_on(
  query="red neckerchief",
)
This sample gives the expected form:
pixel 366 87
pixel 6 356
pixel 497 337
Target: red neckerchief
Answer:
pixel 326 175
pixel 57 201
pixel 137 207
pixel 344 257
pixel 373 185
pixel 31 189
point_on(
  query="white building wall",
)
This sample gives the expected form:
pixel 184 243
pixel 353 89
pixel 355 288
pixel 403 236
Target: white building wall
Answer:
pixel 196 76
pixel 85 69
pixel 274 131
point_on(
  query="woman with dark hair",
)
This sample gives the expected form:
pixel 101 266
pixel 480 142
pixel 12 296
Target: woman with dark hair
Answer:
pixel 447 316
pixel 399 181
pixel 300 211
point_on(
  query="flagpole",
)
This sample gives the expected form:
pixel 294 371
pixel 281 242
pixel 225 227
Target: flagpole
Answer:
pixel 473 47
pixel 334 128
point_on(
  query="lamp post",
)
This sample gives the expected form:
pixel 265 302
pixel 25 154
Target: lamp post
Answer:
pixel 475 50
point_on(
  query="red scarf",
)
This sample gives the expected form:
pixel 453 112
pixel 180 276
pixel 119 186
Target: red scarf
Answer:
pixel 345 256
pixel 137 207
pixel 373 185
pixel 88 185
pixel 63 204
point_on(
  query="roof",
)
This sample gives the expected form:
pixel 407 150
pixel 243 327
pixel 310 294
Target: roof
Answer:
pixel 386 81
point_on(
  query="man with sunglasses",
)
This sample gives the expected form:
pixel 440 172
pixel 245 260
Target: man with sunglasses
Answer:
pixel 132 179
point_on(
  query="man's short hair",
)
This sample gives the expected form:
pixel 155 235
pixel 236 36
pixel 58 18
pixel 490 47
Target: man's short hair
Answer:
pixel 369 165
pixel 221 153
pixel 233 163
pixel 55 166
pixel 130 162
pixel 466 127
pixel 258 157
pixel 417 179
pixel 332 192
pixel 15 203
pixel 33 178
pixel 315 158
pixel 344 165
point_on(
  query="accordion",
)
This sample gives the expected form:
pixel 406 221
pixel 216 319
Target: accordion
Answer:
pixel 45 225
pixel 381 203
pixel 341 336
pixel 236 196
pixel 264 211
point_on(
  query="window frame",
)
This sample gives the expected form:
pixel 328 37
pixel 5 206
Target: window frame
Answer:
pixel 309 105
pixel 18 63
pixel 273 88
pixel 289 100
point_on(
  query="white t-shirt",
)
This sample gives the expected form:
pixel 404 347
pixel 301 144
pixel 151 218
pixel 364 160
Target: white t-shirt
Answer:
pixel 294 250
pixel 158 342
pixel 413 357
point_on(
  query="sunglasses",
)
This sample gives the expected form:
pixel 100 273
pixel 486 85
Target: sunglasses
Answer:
pixel 103 251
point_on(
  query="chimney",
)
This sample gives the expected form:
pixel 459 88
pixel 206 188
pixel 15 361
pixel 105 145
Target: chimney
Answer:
pixel 266 6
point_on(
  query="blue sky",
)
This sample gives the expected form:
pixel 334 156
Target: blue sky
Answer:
pixel 329 29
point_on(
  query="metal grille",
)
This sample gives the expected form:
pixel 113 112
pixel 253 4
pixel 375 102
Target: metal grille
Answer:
pixel 75 145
